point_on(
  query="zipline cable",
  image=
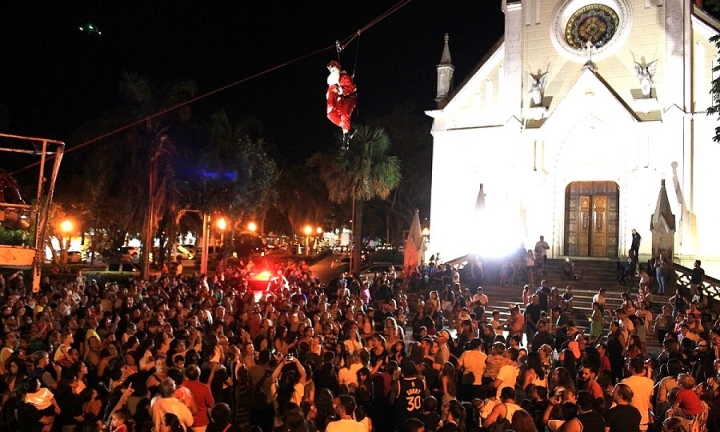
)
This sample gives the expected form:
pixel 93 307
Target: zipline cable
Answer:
pixel 336 45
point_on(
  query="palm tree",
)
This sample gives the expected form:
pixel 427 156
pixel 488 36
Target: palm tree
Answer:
pixel 360 174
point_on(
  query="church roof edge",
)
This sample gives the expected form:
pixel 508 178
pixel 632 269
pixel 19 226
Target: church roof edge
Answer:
pixel 706 18
pixel 477 67
pixel 617 96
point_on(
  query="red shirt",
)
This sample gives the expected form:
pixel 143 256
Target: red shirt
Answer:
pixel 605 362
pixel 594 388
pixel 203 400
pixel 689 402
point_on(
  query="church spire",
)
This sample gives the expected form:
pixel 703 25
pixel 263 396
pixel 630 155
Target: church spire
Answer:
pixel 445 59
pixel 445 72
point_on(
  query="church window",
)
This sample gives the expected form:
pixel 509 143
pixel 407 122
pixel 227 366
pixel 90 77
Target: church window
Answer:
pixel 581 25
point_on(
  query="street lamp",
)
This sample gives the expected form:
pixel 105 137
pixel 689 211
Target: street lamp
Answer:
pixel 222 224
pixel 252 227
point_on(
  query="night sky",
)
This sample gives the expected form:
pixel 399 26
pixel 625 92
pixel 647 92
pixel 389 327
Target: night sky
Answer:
pixel 55 78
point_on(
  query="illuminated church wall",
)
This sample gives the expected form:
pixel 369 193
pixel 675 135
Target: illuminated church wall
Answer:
pixel 589 127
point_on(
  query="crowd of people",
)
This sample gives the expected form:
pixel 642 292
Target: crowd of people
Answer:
pixel 204 353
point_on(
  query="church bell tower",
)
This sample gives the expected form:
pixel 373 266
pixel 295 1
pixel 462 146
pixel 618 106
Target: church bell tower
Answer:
pixel 445 72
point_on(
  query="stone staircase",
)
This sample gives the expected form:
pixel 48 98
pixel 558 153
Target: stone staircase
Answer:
pixel 594 274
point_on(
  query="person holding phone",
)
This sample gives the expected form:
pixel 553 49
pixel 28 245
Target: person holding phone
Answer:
pixel 288 385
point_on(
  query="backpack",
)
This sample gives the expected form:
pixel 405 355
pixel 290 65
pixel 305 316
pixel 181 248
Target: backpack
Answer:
pixel 259 398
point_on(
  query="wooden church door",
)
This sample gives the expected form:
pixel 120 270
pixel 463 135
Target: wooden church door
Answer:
pixel 591 219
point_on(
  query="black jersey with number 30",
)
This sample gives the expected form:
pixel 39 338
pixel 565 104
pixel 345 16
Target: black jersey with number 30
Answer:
pixel 410 398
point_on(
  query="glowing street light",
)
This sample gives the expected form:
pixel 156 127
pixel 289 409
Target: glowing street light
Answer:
pixel 252 227
pixel 66 226
pixel 222 224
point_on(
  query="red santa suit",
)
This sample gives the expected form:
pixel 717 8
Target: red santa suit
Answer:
pixel 340 98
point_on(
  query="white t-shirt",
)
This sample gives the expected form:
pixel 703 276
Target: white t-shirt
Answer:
pixel 345 426
pixel 642 388
pixel 508 375
pixel 349 375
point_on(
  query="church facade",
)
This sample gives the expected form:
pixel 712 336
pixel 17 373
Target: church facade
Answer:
pixel 568 126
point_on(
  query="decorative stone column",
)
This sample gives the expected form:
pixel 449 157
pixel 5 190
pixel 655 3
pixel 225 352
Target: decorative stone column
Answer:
pixel 513 67
pixel 662 226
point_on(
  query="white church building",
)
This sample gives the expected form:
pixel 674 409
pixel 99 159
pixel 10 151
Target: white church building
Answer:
pixel 567 127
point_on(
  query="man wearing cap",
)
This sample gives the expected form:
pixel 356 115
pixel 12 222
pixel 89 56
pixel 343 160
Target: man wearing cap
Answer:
pixel 341 100
pixel 480 297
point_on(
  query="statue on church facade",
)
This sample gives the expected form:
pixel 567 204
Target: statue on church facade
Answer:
pixel 645 75
pixel 537 88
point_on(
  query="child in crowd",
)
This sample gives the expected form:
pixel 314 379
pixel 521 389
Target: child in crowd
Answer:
pixel 496 324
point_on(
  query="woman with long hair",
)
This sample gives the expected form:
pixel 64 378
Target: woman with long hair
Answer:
pixel 280 342
pixel 534 374
pixel 352 341
pixel 12 382
pixel 287 386
pixel 323 412
pixel 106 356
pixel 448 380
pixel 628 304
pixel 294 419
pixel 561 378
pixel 454 415
pixel 79 370
pixel 596 322
pixel 567 360
pixel 522 421
pixel 16 373
pixel 392 332
pixel 397 351
pixel 348 374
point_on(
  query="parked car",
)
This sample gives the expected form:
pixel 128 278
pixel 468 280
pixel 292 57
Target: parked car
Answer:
pixel 336 263
pixel 213 252
pixel 74 257
pixel 113 271
pixel 128 254
pixel 249 244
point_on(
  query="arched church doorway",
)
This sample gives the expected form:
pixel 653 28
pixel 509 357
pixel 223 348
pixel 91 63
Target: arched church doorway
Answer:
pixel 592 219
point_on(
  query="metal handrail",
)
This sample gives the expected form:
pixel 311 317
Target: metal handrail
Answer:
pixel 710 286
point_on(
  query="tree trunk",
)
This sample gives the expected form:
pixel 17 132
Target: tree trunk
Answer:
pixel 147 240
pixel 357 235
